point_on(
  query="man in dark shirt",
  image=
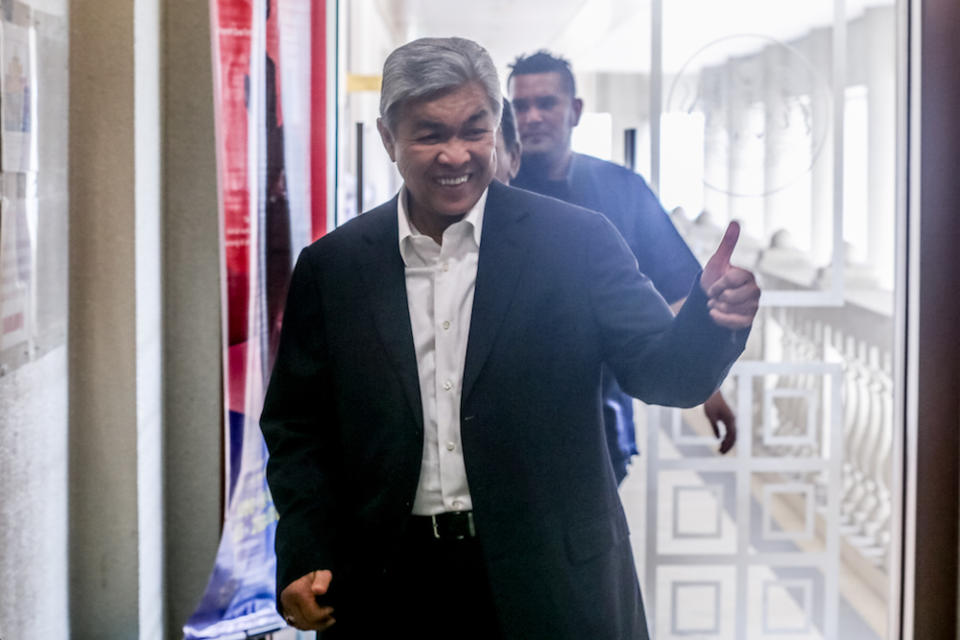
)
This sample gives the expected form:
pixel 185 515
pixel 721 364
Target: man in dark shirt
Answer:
pixel 543 93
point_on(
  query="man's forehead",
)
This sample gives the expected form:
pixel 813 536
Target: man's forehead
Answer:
pixel 468 101
pixel 533 84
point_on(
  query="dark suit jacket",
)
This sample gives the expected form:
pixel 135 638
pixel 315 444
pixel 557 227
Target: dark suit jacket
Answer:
pixel 557 294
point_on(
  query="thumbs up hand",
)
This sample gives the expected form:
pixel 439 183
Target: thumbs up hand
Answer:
pixel 732 293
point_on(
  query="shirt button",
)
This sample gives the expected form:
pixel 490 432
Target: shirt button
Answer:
pixel 447 385
pixel 446 266
pixel 451 446
pixel 457 504
pixel 446 324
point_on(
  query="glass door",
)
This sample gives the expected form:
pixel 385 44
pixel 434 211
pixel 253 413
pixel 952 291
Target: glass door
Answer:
pixel 784 116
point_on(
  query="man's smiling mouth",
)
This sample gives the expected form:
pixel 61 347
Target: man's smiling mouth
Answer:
pixel 453 181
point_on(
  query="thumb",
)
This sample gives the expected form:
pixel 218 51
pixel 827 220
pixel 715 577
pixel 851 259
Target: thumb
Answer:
pixel 321 582
pixel 719 262
pixel 727 244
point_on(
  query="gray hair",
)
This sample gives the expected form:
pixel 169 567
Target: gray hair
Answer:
pixel 431 66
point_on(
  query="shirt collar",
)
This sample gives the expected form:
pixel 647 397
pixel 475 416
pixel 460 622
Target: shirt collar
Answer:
pixel 474 219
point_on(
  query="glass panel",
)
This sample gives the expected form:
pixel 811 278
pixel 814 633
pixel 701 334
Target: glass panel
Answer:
pixel 756 87
pixel 783 116
pixel 763 121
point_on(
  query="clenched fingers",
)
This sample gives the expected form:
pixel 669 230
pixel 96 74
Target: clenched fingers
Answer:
pixel 732 321
pixel 747 307
pixel 738 295
pixel 300 606
pixel 735 278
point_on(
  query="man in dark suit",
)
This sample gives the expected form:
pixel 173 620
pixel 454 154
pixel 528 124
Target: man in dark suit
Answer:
pixel 437 453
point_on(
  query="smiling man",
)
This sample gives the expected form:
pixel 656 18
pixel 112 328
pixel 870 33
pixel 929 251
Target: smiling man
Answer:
pixel 437 455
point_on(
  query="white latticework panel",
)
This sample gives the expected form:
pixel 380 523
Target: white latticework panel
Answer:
pixel 747 545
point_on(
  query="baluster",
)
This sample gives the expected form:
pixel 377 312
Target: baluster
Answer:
pixel 857 399
pixel 868 456
pixel 878 520
pixel 862 453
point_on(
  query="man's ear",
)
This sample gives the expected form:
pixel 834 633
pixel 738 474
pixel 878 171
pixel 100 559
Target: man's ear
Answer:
pixel 577 111
pixel 387 138
pixel 514 167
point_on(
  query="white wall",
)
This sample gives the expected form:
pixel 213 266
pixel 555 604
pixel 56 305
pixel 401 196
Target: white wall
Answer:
pixel 33 512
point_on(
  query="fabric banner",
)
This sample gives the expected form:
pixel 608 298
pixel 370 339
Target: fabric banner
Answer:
pixel 269 99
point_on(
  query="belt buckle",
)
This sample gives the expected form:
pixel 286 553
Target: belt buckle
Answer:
pixel 470 527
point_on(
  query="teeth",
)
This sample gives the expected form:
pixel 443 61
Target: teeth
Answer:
pixel 452 182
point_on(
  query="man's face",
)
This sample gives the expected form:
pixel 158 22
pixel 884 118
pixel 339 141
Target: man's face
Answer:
pixel 546 113
pixel 444 149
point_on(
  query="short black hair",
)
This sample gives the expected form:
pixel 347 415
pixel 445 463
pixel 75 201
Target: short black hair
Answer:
pixel 544 62
pixel 508 126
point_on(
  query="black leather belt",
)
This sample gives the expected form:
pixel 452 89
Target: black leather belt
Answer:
pixel 451 525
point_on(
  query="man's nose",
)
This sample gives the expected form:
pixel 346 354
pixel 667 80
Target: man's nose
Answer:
pixel 455 152
pixel 534 115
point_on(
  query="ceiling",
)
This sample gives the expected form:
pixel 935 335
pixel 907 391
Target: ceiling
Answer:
pixel 505 28
pixel 608 35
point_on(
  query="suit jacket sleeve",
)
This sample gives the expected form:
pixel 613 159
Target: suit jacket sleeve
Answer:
pixel 298 429
pixel 657 358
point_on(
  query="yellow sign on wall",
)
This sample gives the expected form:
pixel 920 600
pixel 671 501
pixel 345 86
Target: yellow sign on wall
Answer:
pixel 356 83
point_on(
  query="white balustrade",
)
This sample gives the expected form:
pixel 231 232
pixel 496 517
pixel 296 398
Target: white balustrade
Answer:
pixel 859 335
pixel 861 338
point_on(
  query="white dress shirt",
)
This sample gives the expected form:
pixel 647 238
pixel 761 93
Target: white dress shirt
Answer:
pixel 440 283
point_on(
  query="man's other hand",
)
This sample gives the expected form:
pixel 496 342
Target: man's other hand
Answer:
pixel 298 600
pixel 717 411
pixel 732 293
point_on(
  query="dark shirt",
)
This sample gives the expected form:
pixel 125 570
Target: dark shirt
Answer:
pixel 626 200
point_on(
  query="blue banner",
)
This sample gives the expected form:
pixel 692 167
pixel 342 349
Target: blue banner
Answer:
pixel 239 600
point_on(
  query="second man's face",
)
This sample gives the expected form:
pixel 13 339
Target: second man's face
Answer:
pixel 444 149
pixel 546 113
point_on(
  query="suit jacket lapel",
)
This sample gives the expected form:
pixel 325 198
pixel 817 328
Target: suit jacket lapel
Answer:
pixel 498 271
pixel 382 270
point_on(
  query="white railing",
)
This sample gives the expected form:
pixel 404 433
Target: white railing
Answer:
pixel 859 334
pixel 861 339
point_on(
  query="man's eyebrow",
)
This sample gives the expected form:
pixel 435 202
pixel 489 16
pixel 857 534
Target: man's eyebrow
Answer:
pixel 477 116
pixel 433 125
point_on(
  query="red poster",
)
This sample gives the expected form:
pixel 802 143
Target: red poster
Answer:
pixel 269 61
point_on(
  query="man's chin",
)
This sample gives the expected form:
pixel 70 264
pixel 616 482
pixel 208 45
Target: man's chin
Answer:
pixel 536 158
pixel 453 207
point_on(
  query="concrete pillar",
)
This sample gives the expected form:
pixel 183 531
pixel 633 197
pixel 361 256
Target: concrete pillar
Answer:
pixel 776 148
pixel 716 145
pixel 192 350
pixel 746 152
pixel 820 43
pixel 116 510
